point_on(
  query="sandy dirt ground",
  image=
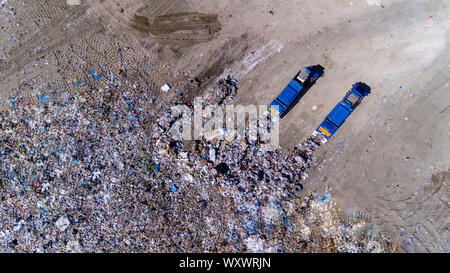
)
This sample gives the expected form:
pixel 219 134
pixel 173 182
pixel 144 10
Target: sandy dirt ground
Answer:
pixel 389 160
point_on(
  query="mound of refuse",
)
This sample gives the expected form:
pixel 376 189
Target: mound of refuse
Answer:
pixel 92 171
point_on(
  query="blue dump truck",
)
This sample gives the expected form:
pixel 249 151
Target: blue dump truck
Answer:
pixel 340 113
pixel 293 91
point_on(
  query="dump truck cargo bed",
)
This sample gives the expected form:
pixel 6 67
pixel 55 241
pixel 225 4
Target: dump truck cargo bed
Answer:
pixel 290 92
pixel 339 114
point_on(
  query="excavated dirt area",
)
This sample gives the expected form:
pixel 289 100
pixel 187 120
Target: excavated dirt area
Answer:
pixel 384 172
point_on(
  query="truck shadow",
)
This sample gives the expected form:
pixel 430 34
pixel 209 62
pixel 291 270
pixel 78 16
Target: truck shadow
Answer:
pixel 314 69
pixel 363 88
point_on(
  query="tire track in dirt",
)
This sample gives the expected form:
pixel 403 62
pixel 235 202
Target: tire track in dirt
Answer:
pixel 74 40
pixel 162 7
pixel 416 214
pixel 53 35
pixel 166 21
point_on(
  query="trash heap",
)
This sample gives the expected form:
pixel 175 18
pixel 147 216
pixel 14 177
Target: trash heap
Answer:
pixel 88 169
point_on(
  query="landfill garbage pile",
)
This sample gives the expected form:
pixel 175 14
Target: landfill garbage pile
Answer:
pixel 94 172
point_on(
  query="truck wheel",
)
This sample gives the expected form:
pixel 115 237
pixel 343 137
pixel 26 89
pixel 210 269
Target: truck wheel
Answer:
pixel 298 189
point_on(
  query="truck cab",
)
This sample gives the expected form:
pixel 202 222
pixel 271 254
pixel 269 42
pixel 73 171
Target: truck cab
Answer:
pixel 296 87
pixel 341 111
